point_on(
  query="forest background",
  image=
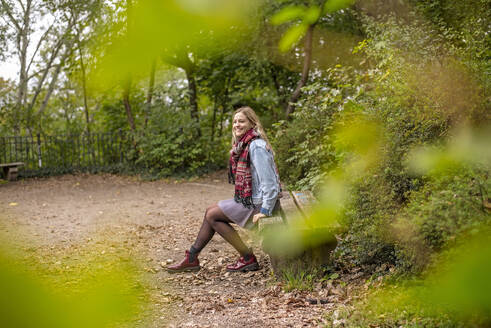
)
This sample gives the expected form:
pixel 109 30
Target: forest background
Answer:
pixel 380 107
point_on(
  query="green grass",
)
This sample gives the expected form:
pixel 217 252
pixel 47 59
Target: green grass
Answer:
pixel 298 281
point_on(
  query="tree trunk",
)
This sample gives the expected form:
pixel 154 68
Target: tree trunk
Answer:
pixel 148 103
pixel 224 102
pixel 305 71
pixel 193 102
pixel 214 119
pixel 127 105
pixel 54 78
pixel 40 84
pixel 283 102
pixel 20 21
pixel 181 59
pixel 22 45
pixel 84 92
pixel 64 40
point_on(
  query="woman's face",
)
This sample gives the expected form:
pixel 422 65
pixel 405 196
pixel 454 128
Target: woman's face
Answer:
pixel 241 125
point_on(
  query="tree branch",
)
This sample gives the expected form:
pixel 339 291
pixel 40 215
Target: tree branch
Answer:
pixel 36 73
pixel 305 71
pixel 8 10
pixel 51 87
pixel 127 104
pixel 43 37
pixel 22 5
pixel 45 74
pixel 9 22
pixel 151 84
pixel 68 51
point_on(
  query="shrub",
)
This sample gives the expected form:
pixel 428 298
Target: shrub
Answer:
pixel 442 214
pixel 303 146
pixel 170 146
pixel 368 216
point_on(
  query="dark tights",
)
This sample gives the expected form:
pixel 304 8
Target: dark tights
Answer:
pixel 215 220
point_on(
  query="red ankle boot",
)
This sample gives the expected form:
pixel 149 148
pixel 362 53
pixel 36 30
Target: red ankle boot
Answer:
pixel 185 265
pixel 242 265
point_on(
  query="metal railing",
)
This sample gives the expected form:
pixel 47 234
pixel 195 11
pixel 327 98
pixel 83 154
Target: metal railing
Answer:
pixel 64 153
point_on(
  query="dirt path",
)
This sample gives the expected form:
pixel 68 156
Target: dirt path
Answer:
pixel 157 221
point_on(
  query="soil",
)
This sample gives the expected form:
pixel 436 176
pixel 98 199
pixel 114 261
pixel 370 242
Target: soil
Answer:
pixel 155 222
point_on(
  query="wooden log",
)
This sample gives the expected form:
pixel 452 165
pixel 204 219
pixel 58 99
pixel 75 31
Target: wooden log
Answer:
pixel 309 248
pixel 310 260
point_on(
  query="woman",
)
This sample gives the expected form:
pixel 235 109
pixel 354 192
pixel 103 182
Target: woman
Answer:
pixel 257 187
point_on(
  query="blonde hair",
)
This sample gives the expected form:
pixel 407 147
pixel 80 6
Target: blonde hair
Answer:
pixel 256 124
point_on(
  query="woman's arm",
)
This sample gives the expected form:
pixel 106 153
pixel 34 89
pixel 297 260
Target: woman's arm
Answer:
pixel 263 162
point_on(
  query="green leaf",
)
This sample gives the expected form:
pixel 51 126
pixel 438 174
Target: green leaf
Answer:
pixel 312 15
pixel 335 5
pixel 288 14
pixel 291 37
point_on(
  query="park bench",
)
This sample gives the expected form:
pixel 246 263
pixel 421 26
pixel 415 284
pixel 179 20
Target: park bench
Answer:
pixel 10 170
pixel 311 247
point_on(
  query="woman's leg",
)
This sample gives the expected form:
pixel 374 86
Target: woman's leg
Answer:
pixel 215 220
pixel 205 234
pixel 221 224
pixel 190 262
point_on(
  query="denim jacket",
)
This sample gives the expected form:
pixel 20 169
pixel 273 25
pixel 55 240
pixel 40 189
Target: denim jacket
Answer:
pixel 265 181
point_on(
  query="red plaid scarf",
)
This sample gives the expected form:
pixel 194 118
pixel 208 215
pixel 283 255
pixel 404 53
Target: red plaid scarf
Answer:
pixel 240 169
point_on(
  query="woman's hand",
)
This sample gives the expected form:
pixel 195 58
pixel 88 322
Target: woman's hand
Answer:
pixel 257 216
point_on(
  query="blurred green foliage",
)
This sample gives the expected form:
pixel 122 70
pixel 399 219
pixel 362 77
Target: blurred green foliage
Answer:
pixel 455 293
pixel 93 292
pixel 302 17
pixel 149 29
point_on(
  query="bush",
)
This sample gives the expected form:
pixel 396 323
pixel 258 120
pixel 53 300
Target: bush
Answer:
pixel 368 216
pixel 418 94
pixel 171 147
pixel 414 84
pixel 441 215
pixel 304 146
